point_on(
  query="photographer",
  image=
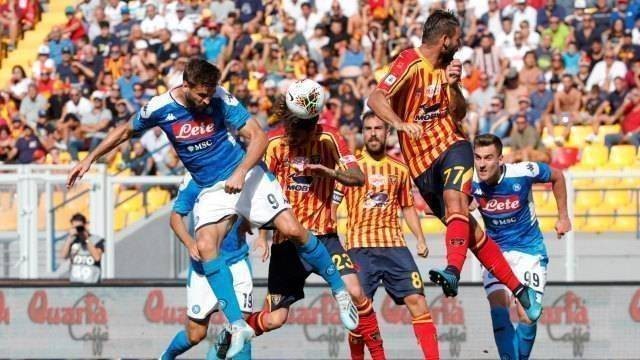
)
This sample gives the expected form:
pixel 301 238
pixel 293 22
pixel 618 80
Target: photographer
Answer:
pixel 85 251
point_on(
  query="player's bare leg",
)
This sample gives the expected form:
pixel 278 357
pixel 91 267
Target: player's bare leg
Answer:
pixel 208 238
pixel 456 241
pixel 490 256
pixel 423 326
pixel 315 254
pixel 368 332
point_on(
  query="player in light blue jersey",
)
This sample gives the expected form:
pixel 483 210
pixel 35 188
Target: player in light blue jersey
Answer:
pixel 502 193
pixel 201 301
pixel 196 118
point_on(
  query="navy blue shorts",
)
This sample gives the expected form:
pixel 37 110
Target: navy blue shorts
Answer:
pixel 288 273
pixel 451 170
pixel 394 266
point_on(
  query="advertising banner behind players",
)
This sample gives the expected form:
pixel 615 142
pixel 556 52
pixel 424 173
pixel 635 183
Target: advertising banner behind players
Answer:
pixel 586 322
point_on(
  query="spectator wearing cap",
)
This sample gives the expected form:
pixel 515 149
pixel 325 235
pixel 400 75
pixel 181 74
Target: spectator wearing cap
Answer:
pixel 496 120
pixel 56 43
pixel 43 63
pixel 127 80
pixel 551 9
pixel 250 10
pixel 74 28
pixel 105 40
pixel 587 33
pixel 32 104
pixel 606 70
pixel 480 99
pixel 520 11
pixel 181 27
pixel 530 72
pixel 152 25
pixel 63 69
pixel 27 147
pixel 113 11
pixel 98 121
pixel 123 29
pixel 213 43
pixel 525 143
pixel 487 57
pixel 307 22
pixel 42 124
pixel 629 116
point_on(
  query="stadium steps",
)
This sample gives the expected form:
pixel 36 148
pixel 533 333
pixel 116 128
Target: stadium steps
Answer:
pixel 27 49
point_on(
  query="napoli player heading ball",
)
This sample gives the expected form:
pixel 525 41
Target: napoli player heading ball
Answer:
pixel 503 194
pixel 195 117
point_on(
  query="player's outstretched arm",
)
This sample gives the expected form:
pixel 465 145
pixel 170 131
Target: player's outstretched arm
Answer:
pixel 116 137
pixel 413 221
pixel 256 140
pixel 379 104
pixel 559 187
pixel 180 229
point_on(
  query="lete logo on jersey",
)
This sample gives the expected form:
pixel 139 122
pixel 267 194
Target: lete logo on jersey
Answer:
pixel 193 130
pixel 500 204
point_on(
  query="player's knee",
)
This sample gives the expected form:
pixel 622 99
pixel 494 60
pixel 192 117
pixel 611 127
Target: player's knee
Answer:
pixel 293 231
pixel 356 292
pixel 456 203
pixel 416 304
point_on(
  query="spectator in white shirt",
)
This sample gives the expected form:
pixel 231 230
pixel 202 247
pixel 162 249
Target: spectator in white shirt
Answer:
pixel 113 11
pixel 515 54
pixel 77 104
pixel 307 21
pixel 152 25
pixel 504 36
pixel 43 62
pixel 157 144
pixel 292 8
pixel 605 71
pixel 181 27
pixel 529 38
pixel 521 11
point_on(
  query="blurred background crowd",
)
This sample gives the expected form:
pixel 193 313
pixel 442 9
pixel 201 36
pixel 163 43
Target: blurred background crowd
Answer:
pixel 533 69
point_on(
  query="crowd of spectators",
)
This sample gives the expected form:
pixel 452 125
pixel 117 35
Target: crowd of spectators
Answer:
pixel 528 65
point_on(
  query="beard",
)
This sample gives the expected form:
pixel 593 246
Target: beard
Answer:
pixel 446 56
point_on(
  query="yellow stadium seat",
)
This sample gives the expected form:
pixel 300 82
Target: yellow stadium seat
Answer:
pixel 9 218
pixel 578 135
pixel 82 155
pixel 547 208
pixel 618 198
pixel 134 216
pixel 606 130
pixel 598 224
pixel 625 223
pixel 588 199
pixel 540 197
pixel 432 225
pixel 629 182
pixel 594 155
pixel 65 157
pixel 6 199
pixel 342 226
pixel 622 155
pixel 114 165
pixel 119 219
pixel 579 223
pixel 547 224
pixel 131 200
pixel 158 197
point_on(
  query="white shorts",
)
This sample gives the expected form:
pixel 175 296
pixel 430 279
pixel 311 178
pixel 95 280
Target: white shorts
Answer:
pixel 531 270
pixel 201 300
pixel 260 201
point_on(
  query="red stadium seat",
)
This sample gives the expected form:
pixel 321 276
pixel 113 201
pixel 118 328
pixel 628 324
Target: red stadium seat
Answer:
pixel 564 157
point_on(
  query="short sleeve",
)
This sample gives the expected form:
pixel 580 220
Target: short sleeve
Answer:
pixel 398 75
pixel 235 115
pixel 144 120
pixel 187 196
pixel 544 172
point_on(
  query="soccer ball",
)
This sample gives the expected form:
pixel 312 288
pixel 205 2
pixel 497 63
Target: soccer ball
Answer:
pixel 305 98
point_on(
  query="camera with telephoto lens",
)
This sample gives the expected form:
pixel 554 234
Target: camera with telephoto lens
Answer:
pixel 81 233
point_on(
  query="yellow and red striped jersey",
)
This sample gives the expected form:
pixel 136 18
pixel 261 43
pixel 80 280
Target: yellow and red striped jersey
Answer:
pixel 418 93
pixel 373 208
pixel 309 196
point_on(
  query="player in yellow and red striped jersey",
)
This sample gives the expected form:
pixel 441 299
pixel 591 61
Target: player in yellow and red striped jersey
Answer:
pixel 308 160
pixel 375 241
pixel 421 98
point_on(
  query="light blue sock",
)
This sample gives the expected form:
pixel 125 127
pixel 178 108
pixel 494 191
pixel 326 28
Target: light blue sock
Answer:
pixel 526 336
pixel 179 345
pixel 503 332
pixel 316 255
pixel 221 282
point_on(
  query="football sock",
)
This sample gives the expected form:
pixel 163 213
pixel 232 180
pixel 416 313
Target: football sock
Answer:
pixel 221 282
pixel 490 256
pixel 526 335
pixel 427 336
pixel 457 240
pixel 256 321
pixel 356 346
pixel 503 333
pixel 316 255
pixel 369 330
pixel 178 345
pixel 245 353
